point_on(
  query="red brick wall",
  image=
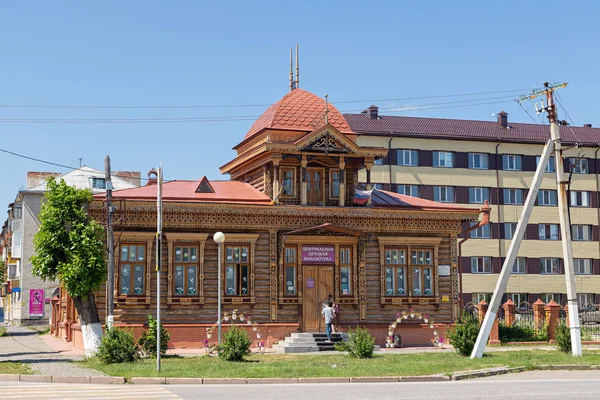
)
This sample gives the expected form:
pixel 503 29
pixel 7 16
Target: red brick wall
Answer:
pixel 412 334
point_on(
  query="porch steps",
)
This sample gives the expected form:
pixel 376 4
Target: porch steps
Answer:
pixel 309 342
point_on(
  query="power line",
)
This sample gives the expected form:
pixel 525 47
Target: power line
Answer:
pixel 527 112
pixel 240 105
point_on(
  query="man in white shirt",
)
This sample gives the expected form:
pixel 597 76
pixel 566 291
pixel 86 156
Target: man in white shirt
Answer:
pixel 328 314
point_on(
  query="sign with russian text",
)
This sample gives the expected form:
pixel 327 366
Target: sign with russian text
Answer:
pixel 318 254
pixel 36 303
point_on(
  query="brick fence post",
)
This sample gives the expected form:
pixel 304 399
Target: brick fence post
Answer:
pixel 553 317
pixel 482 307
pixel 538 314
pixel 509 312
pixel 566 308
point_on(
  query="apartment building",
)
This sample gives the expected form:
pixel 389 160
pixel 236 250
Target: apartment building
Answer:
pixel 468 162
pixel 26 298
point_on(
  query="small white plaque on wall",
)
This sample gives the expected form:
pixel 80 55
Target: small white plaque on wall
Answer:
pixel 443 270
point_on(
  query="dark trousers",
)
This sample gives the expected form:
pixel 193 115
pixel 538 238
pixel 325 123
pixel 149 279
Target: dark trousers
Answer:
pixel 328 330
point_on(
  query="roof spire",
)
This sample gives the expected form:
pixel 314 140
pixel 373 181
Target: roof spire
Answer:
pixel 297 69
pixel 291 72
pixel 326 110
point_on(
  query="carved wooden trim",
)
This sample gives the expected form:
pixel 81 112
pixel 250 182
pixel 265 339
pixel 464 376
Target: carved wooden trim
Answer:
pixel 198 239
pixel 312 239
pixel 147 238
pixel 273 250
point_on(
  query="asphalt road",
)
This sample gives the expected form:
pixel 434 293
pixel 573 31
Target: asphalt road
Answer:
pixel 546 385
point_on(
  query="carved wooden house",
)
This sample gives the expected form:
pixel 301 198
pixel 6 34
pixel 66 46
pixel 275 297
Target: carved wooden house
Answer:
pixel 293 236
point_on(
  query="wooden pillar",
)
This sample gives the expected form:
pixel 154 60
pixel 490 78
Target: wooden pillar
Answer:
pixel 553 318
pixel 368 186
pixel 303 194
pixel 342 182
pixel 509 312
pixel 276 183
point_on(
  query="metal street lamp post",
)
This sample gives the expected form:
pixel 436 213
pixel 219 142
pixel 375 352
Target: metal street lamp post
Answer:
pixel 219 238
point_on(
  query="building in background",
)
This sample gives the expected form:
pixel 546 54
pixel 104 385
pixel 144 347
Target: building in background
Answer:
pixel 468 162
pixel 26 298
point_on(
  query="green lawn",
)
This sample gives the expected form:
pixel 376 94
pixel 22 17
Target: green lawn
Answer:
pixel 10 367
pixel 299 366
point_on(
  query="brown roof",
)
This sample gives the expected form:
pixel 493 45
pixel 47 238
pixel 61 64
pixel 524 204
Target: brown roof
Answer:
pixel 468 129
pixel 185 191
pixel 301 111
pixel 383 198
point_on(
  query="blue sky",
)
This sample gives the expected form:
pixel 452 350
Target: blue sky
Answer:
pixel 236 52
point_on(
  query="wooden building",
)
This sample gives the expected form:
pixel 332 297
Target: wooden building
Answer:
pixel 293 235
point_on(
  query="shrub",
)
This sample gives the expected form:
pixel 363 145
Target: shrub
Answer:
pixel 148 339
pixel 360 344
pixel 521 333
pixel 463 335
pixel 117 346
pixel 563 338
pixel 235 346
pixel 4 332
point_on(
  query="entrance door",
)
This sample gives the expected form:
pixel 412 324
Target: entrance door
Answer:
pixel 314 186
pixel 318 284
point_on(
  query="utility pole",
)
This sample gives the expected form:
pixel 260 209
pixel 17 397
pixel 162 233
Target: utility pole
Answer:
pixel 554 144
pixel 158 261
pixel 109 245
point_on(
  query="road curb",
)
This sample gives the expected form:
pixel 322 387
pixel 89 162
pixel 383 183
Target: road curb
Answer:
pixel 107 380
pixel 36 378
pixel 480 373
pixel 425 378
pixel 10 377
pixel 148 381
pixel 70 379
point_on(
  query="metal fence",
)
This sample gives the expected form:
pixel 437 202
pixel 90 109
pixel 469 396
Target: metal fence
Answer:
pixel 524 317
pixel 589 319
pixel 470 311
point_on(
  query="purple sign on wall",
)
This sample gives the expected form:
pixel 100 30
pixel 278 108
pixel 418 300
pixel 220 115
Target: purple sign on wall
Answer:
pixel 318 254
pixel 36 303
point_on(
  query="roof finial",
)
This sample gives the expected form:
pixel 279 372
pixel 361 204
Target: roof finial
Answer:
pixel 291 72
pixel 326 110
pixel 297 69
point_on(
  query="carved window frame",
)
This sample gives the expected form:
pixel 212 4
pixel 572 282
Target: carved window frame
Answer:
pixel 282 169
pixel 410 243
pixel 331 181
pixel 190 239
pixel 241 239
pixel 139 238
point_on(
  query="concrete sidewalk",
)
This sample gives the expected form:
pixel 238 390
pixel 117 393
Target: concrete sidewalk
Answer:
pixel 44 354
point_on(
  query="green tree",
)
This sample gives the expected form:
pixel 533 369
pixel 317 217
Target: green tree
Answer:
pixel 69 248
pixel 2 270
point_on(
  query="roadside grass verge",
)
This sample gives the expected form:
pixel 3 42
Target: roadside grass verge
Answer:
pixel 336 365
pixel 11 367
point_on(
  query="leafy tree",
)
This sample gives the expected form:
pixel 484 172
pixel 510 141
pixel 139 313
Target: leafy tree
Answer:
pixel 2 270
pixel 69 248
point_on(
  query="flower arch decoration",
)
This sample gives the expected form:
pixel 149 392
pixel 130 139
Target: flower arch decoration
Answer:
pixel 242 318
pixel 411 314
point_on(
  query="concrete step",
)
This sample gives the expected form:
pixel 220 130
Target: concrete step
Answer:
pixel 301 342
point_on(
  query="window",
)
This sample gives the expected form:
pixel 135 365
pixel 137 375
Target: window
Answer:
pixel 98 183
pixel 288 181
pixel 520 266
pixel 443 194
pixel 477 297
pixel 547 297
pixel 291 270
pixel 334 183
pixel 579 165
pixel 346 270
pixel 409 190
pixel 478 160
pixel 185 271
pixel 548 232
pixel 379 161
pixel 483 232
pixel 408 158
pixel 422 272
pixel 12 271
pixel 395 271
pixel 585 299
pixel 18 211
pixel 481 265
pixel 550 167
pixel 580 199
pixel 509 229
pixel 512 162
pixel 132 266
pixel 443 159
pixel 377 186
pixel 547 198
pixel 513 196
pixel 478 195
pixel 581 232
pixel 517 298
pixel 237 271
pixel 583 266
pixel 550 265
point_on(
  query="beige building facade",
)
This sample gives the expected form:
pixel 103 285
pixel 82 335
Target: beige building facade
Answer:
pixel 468 162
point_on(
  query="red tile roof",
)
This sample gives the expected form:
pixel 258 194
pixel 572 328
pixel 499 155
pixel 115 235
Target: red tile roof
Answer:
pixel 298 110
pixel 383 198
pixel 185 191
pixel 468 130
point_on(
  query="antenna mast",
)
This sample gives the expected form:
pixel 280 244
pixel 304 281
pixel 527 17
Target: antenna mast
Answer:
pixel 291 72
pixel 297 69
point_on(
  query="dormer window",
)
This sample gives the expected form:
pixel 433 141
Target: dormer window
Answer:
pixel 98 183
